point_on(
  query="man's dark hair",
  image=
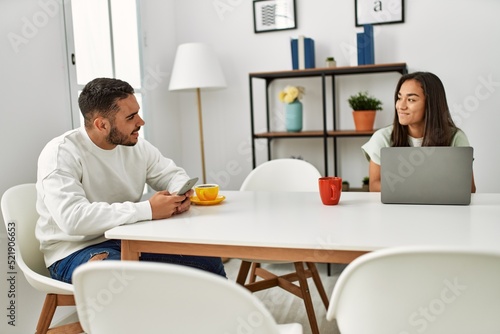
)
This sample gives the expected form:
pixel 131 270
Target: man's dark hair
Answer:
pixel 100 96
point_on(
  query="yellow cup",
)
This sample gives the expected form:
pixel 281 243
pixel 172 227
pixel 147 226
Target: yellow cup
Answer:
pixel 207 192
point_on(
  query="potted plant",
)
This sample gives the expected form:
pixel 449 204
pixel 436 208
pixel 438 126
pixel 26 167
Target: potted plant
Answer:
pixel 364 108
pixel 330 62
pixel 345 186
pixel 366 183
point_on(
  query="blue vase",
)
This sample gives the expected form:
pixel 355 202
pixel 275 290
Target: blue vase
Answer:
pixel 293 116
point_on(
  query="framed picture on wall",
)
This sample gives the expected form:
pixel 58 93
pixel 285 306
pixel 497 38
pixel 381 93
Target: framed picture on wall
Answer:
pixel 272 15
pixel 378 12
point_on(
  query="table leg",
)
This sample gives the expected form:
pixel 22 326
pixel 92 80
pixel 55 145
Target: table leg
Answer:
pixel 243 272
pixel 127 253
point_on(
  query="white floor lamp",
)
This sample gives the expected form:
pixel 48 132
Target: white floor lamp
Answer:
pixel 197 67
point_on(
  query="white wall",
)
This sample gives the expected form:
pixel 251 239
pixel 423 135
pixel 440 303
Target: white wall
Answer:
pixel 158 52
pixel 458 47
pixel 455 39
pixel 35 108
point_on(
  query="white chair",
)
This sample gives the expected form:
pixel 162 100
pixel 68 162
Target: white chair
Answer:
pixel 284 175
pixel 19 212
pixel 146 297
pixel 419 290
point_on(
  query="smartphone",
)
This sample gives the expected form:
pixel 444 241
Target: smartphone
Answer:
pixel 188 185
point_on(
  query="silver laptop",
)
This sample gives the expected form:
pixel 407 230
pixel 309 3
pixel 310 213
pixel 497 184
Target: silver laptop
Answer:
pixel 426 175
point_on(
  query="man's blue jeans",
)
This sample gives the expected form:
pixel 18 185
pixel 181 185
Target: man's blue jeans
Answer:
pixel 62 270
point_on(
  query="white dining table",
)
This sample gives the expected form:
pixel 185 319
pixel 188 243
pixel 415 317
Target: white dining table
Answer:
pixel 296 226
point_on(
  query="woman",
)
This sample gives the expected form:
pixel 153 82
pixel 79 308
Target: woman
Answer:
pixel 422 118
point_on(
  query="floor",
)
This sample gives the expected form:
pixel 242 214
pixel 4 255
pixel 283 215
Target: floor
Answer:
pixel 286 307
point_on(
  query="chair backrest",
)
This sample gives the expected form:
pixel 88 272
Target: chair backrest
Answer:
pixel 283 175
pixel 419 290
pixel 20 217
pixel 19 208
pixel 145 297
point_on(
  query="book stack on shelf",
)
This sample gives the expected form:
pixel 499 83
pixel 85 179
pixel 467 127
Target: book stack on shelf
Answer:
pixel 302 53
pixel 366 48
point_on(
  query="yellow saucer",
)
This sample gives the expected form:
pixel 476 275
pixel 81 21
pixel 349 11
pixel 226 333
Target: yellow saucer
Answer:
pixel 197 201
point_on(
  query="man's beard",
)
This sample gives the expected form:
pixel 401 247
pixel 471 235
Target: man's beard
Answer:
pixel 116 137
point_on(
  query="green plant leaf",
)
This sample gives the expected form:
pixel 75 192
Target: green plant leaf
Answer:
pixel 363 101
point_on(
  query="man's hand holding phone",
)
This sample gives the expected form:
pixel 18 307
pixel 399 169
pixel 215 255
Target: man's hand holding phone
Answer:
pixel 165 204
pixel 187 191
pixel 188 186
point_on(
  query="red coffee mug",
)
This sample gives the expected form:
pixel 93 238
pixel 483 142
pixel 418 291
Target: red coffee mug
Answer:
pixel 330 188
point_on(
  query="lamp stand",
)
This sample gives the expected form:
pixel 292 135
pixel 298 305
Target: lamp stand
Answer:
pixel 202 144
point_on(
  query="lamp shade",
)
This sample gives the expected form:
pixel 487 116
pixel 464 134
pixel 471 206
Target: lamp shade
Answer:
pixel 196 66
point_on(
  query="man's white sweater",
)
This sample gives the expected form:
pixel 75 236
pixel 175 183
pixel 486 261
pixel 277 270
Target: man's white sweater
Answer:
pixel 83 190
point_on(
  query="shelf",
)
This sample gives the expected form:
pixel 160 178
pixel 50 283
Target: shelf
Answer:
pixel 349 133
pixel 355 190
pixel 314 134
pixel 284 134
pixel 344 70
pixel 324 134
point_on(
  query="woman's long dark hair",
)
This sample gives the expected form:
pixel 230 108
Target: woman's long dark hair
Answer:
pixel 439 127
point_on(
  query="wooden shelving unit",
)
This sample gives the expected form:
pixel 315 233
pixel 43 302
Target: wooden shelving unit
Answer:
pixel 314 134
pixel 326 132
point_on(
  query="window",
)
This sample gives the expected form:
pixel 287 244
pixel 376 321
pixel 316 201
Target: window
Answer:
pixel 102 39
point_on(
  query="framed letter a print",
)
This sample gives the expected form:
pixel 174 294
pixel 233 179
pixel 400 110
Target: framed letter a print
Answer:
pixel 378 12
pixel 272 15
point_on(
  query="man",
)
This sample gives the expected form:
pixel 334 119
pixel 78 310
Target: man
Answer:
pixel 92 179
